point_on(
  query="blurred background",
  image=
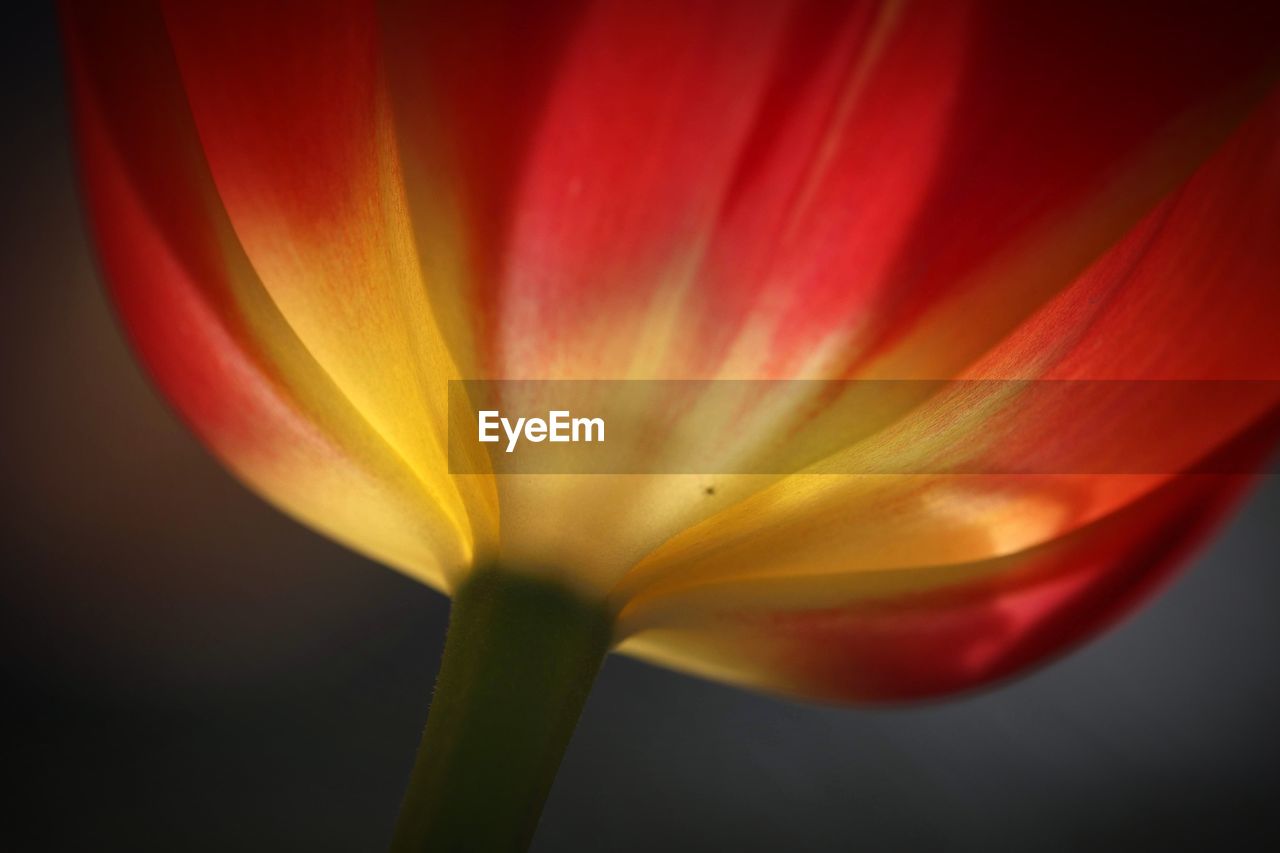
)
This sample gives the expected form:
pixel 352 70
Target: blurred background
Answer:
pixel 182 668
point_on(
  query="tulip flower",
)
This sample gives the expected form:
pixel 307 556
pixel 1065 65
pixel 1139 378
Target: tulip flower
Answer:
pixel 313 217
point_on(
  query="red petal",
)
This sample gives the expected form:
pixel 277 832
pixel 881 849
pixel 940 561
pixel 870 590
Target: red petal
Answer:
pixel 200 320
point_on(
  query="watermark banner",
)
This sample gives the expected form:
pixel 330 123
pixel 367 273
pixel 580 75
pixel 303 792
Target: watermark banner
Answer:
pixel 857 427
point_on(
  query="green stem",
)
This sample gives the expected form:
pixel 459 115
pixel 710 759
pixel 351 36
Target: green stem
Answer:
pixel 519 660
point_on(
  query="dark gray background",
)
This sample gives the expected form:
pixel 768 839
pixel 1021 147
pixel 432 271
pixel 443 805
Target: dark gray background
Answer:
pixel 185 669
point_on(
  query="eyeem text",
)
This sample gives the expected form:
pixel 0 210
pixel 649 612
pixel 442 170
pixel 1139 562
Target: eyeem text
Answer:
pixel 559 426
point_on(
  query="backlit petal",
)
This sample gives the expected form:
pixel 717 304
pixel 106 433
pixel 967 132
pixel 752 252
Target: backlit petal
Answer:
pixel 201 319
